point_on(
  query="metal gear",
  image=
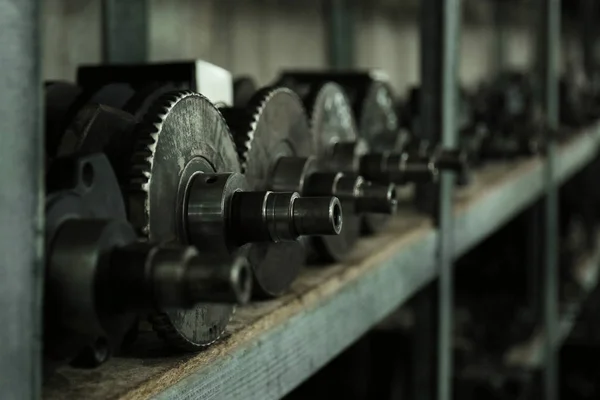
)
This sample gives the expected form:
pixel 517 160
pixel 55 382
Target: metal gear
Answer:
pixel 181 134
pixel 372 102
pixel 100 277
pixel 272 126
pixel 331 121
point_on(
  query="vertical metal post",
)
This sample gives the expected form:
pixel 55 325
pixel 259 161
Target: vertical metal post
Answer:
pixel 549 39
pixel 125 31
pixel 499 56
pixel 451 49
pixel 430 107
pixel 535 221
pixel 339 15
pixel 21 200
pixel 427 196
pixel 440 30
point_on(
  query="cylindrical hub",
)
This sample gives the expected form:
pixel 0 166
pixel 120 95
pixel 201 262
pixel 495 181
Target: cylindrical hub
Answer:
pixel 219 216
pixel 376 198
pixel 207 210
pixel 350 188
pixel 452 160
pixel 399 168
pixel 290 174
pixel 317 215
pixel 345 156
pixel 176 277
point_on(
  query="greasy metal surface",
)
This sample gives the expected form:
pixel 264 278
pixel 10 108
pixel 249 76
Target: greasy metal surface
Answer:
pixel 331 121
pixel 181 130
pixel 82 188
pixel 21 162
pixel 378 126
pixel 276 126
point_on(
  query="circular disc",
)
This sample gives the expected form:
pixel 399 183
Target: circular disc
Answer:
pixel 373 104
pixel 275 127
pixel 331 121
pixel 181 133
pixel 378 126
pixel 378 123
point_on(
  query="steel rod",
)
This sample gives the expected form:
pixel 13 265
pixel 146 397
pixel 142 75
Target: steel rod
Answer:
pixel 549 40
pixel 21 198
pixel 440 30
pixel 449 139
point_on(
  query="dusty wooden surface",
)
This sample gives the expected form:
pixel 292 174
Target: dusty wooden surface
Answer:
pixel 491 177
pixel 149 368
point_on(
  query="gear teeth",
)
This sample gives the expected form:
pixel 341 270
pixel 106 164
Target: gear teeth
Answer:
pixel 161 324
pixel 310 102
pixel 236 119
pixel 244 125
pixel 142 159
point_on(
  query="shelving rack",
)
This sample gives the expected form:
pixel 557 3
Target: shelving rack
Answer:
pixel 274 346
pixel 21 241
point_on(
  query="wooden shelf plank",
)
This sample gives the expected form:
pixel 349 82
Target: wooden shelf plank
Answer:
pixel 272 346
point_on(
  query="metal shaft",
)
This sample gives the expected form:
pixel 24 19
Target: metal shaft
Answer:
pixel 302 174
pixel 399 168
pixel 219 215
pixel 321 215
pixel 382 167
pixel 177 277
pixel 455 160
pixel 365 196
pixel 376 198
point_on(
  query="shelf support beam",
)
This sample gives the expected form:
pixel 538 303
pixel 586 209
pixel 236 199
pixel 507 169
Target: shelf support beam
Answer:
pixel 549 39
pixel 440 48
pixel 21 180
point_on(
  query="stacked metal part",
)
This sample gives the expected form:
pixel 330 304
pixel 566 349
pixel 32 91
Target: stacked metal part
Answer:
pixel 169 206
pixel 176 182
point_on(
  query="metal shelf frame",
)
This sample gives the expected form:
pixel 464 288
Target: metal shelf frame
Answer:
pixel 21 210
pixel 276 346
